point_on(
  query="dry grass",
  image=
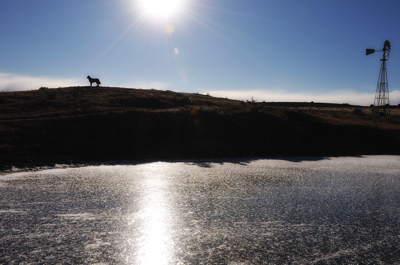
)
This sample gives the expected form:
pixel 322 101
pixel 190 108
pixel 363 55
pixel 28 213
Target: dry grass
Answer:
pixel 80 101
pixel 84 100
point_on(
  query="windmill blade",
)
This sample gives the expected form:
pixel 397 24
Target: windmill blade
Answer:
pixel 386 46
pixel 387 54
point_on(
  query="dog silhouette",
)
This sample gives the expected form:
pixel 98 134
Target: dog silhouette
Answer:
pixel 93 80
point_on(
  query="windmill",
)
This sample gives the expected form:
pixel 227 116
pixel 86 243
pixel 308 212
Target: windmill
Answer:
pixel 381 101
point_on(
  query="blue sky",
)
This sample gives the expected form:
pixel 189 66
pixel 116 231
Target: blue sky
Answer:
pixel 271 50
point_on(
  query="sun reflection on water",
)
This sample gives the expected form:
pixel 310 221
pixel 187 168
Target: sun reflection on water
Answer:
pixel 155 243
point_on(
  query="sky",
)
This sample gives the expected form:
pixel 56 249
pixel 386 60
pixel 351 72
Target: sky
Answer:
pixel 268 50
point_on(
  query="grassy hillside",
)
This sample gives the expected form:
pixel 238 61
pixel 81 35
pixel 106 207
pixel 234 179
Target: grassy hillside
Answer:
pixel 83 124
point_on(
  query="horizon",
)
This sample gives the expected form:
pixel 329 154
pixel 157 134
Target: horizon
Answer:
pixel 271 51
pixel 246 96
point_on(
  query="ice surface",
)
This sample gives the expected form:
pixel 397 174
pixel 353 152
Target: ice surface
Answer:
pixel 330 210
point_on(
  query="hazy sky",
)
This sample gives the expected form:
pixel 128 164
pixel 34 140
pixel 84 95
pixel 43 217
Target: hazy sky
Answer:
pixel 272 50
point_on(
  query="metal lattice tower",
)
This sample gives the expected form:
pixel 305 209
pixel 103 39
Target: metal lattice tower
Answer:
pixel 381 101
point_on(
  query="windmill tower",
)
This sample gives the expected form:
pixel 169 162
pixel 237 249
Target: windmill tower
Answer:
pixel 381 102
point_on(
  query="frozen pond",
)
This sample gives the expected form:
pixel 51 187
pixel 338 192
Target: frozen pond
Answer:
pixel 334 210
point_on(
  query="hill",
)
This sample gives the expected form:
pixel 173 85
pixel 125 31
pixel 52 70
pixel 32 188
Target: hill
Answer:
pixel 84 124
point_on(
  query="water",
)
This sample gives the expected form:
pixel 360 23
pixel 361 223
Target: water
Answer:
pixel 341 210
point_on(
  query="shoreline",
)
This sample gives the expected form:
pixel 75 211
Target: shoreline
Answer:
pixel 33 168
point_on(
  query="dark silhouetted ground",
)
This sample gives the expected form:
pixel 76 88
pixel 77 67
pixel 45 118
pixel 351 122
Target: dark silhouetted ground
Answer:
pixel 83 124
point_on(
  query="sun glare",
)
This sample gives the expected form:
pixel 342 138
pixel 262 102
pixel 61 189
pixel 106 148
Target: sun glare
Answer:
pixel 160 8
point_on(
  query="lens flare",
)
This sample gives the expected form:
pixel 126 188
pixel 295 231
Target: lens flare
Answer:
pixel 169 28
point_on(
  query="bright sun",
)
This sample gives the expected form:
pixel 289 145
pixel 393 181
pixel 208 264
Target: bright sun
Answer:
pixel 160 8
